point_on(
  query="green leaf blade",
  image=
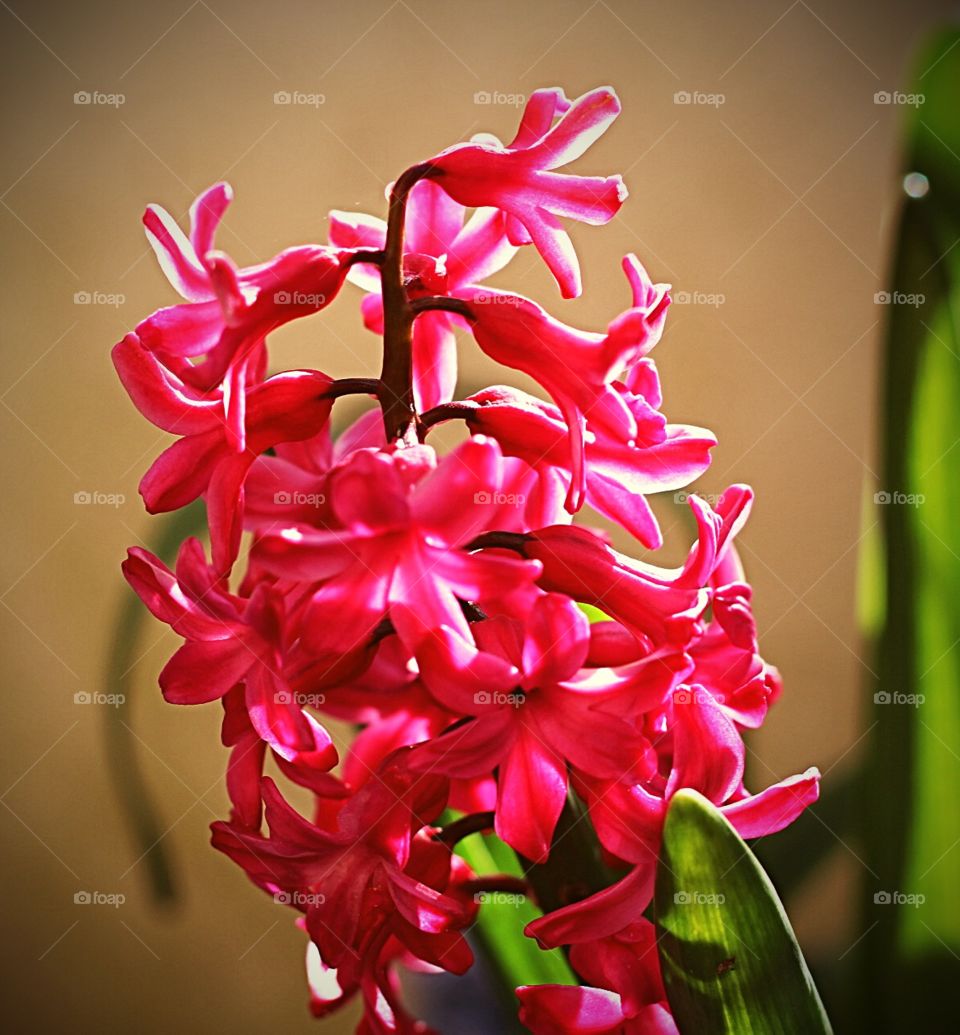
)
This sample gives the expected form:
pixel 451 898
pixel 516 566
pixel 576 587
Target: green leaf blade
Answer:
pixel 731 964
pixel 518 958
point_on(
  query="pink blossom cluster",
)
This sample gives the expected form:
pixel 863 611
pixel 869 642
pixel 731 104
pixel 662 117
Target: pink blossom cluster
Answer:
pixel 434 602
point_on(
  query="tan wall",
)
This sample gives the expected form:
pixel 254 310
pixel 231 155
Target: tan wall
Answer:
pixel 780 200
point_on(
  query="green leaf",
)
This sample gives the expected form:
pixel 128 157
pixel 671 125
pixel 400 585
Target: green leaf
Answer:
pixel 910 921
pixel 519 959
pixel 730 962
pixel 122 754
pixel 593 613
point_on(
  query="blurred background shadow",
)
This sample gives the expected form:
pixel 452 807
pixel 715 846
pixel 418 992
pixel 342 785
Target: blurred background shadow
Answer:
pixel 763 167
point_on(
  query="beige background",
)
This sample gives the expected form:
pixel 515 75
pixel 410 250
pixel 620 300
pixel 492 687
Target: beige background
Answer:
pixel 780 200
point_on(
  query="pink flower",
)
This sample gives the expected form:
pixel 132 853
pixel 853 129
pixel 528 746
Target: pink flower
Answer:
pixel 577 368
pixel 628 997
pixel 434 604
pixel 554 717
pixel 402 520
pixel 444 253
pixel 228 311
pixel 365 874
pixel 229 641
pixel 285 408
pixel 519 178
pixel 618 474
pixel 628 818
pixel 660 605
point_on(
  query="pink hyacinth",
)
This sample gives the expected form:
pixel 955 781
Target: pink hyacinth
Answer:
pixel 577 368
pixel 519 178
pixel 229 312
pixel 437 603
pixel 446 253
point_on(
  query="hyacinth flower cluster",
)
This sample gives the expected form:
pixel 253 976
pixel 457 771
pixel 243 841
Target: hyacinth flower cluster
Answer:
pixel 435 602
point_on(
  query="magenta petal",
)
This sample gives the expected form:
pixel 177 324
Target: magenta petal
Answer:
pixel 554 244
pixel 205 215
pixel 454 501
pixel 202 671
pixel 163 593
pixel 428 910
pixel 434 360
pixel 532 788
pixel 368 493
pixel 580 126
pixel 556 642
pixel 159 395
pixel 225 509
pixel 176 254
pixel 344 612
pixel 542 107
pixel 457 674
pixel 474 749
pixel 598 916
pixel 181 472
pixel 776 807
pixel 274 712
pixel 186 330
pixel 708 752
pixel 570 1010
pixel 481 248
pixel 243 778
pixel 356 230
pixel 433 219
pixel 371 309
pixel 421 603
pixel 307 555
pixel 622 504
pixel 483 576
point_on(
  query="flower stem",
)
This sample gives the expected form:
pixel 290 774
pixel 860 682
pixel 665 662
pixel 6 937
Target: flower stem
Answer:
pixel 441 303
pixel 499 541
pixel 474 823
pixel 444 412
pixel 502 882
pixel 396 376
pixel 352 386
